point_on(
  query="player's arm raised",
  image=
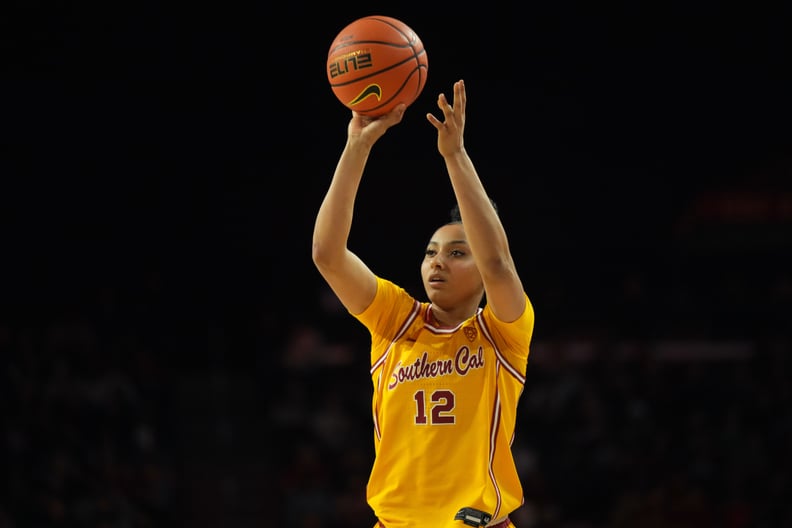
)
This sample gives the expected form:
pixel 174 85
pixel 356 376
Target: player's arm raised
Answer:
pixel 346 274
pixel 483 228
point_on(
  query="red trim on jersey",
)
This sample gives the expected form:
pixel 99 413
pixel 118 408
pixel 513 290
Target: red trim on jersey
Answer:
pixel 377 364
pixel 488 334
pixel 496 414
pixel 431 324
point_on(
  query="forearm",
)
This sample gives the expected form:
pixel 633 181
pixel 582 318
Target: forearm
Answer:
pixel 483 227
pixel 334 219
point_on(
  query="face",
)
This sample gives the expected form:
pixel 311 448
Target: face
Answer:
pixel 450 276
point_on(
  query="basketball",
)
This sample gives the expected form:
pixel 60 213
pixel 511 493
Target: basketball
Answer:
pixel 376 63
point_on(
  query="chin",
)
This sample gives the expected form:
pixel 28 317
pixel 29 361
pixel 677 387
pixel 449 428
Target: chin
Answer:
pixel 438 298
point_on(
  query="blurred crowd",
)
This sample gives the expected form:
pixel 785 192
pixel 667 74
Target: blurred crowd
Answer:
pixel 83 401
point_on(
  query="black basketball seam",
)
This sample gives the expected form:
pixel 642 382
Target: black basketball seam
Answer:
pixel 406 80
pixel 388 22
pixel 380 42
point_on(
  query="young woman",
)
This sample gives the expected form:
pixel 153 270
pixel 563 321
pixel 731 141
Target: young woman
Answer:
pixel 447 373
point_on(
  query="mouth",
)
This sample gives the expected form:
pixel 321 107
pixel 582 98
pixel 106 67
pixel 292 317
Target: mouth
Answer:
pixel 435 279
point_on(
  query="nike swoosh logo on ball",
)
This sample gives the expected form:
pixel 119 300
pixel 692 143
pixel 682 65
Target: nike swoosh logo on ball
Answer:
pixel 371 89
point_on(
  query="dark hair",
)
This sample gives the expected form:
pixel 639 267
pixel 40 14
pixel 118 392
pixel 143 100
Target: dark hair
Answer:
pixel 456 217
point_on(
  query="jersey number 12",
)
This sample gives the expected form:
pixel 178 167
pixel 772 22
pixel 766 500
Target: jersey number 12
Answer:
pixel 440 405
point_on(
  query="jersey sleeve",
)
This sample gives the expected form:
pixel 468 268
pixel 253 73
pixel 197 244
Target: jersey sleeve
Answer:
pixel 387 313
pixel 514 339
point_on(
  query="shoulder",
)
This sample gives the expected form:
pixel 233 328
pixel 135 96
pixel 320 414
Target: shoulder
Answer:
pixel 390 302
pixel 522 326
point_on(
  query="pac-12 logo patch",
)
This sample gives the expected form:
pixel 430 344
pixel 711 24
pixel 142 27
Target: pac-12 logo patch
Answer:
pixel 471 333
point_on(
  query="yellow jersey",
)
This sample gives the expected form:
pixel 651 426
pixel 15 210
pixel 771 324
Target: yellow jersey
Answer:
pixel 444 408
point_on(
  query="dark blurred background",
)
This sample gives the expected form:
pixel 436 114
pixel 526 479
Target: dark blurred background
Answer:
pixel 170 357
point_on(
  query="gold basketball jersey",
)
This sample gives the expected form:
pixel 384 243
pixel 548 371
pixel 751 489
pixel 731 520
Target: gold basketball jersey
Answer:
pixel 444 408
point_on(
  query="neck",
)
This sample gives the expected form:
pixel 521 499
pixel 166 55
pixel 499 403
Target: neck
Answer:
pixel 443 319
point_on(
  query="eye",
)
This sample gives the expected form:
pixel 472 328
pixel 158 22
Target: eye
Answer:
pixel 457 253
pixel 430 252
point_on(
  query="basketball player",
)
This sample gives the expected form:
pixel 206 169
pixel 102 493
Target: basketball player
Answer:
pixel 447 373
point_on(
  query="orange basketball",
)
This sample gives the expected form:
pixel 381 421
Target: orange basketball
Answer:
pixel 376 63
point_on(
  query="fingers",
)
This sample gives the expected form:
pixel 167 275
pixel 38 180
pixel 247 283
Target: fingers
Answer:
pixel 432 119
pixel 450 112
pixel 445 106
pixel 460 100
pixel 387 120
pixel 395 115
pixel 460 96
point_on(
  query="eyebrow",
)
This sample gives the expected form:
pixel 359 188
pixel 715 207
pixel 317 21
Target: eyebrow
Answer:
pixel 450 242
